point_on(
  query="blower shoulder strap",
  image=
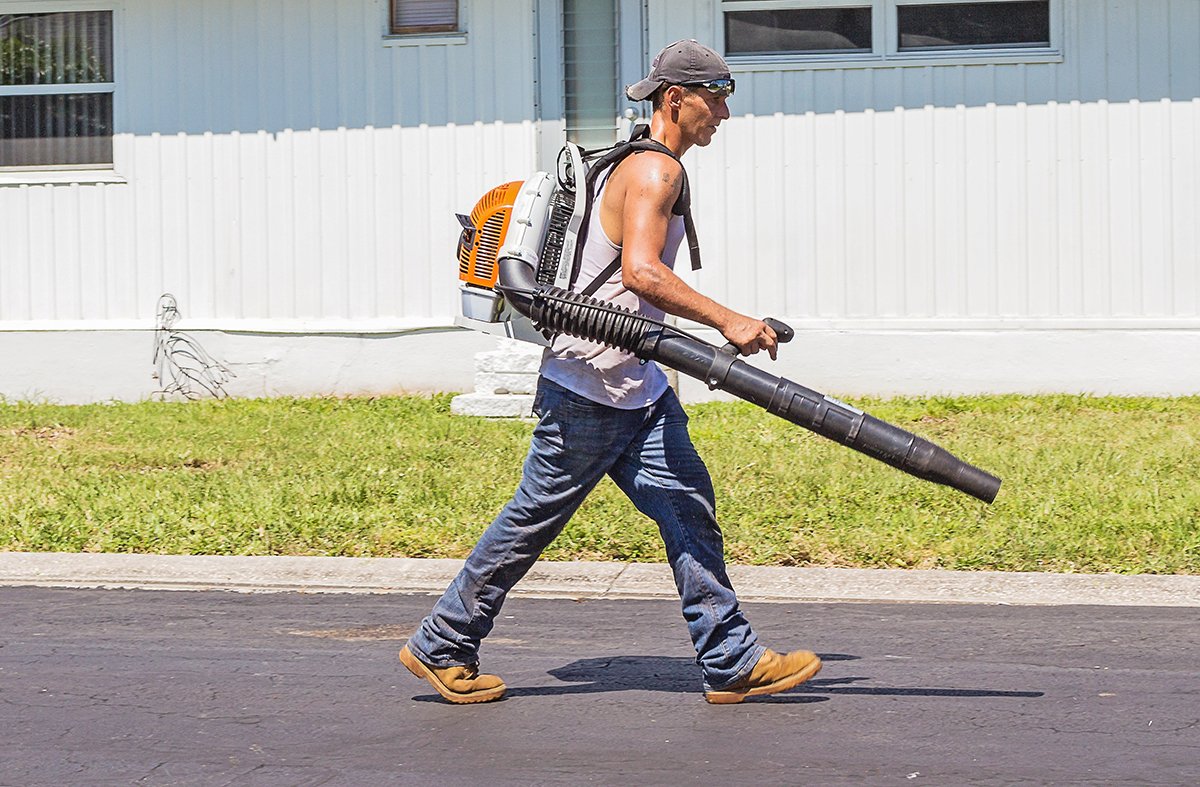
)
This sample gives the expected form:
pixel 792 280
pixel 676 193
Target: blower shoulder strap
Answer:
pixel 638 141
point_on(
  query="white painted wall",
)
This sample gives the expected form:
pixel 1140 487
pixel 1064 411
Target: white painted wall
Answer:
pixel 948 228
pixel 288 226
pixel 78 367
pixel 981 194
pixel 967 228
pixel 281 161
pixel 291 176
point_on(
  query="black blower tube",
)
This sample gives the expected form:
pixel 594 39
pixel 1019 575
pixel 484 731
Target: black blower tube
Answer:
pixel 558 311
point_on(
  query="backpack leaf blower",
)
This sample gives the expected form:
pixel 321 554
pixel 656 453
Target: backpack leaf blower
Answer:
pixel 516 256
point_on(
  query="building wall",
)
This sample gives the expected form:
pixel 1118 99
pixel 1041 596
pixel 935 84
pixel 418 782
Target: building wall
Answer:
pixel 289 175
pixel 282 164
pixel 1031 196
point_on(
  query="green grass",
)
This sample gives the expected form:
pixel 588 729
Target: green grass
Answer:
pixel 1090 484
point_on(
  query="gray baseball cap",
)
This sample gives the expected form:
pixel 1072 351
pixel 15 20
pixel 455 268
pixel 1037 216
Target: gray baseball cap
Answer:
pixel 678 63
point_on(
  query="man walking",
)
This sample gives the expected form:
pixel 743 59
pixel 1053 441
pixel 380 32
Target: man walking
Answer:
pixel 602 412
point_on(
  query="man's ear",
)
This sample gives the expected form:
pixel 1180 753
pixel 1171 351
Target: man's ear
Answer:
pixel 673 96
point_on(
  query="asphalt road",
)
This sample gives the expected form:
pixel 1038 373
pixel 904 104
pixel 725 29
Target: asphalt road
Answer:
pixel 103 687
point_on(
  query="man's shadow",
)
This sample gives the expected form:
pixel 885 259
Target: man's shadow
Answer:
pixel 680 675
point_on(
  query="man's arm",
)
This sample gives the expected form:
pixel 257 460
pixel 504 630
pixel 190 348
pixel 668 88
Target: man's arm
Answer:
pixel 653 183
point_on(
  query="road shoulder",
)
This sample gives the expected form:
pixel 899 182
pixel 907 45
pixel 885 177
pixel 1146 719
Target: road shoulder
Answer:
pixel 588 580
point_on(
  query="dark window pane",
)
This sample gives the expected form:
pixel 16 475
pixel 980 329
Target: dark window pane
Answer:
pixel 56 49
pixel 798 30
pixel 424 16
pixel 55 129
pixel 974 25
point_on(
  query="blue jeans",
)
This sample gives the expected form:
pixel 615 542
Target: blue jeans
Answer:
pixel 650 456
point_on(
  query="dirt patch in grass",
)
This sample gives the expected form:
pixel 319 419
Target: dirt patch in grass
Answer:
pixel 44 434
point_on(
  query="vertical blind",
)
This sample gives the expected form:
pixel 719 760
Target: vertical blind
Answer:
pixel 590 68
pixel 424 16
pixel 66 119
pixel 56 49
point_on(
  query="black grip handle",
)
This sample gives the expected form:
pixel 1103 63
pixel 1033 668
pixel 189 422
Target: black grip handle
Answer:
pixel 783 331
pixel 783 334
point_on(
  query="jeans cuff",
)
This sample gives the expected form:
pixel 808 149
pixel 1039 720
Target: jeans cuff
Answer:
pixel 424 658
pixel 743 669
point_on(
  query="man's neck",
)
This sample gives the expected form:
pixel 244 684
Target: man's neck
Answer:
pixel 664 131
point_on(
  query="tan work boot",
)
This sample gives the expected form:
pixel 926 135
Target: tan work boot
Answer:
pixel 457 684
pixel 773 673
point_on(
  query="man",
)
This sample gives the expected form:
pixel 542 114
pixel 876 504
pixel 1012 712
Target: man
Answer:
pixel 604 412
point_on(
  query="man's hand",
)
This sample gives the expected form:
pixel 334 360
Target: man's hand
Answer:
pixel 750 335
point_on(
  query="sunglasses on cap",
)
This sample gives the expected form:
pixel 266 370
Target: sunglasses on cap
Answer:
pixel 722 88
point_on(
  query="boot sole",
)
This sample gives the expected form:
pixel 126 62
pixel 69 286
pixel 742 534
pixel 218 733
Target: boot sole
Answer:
pixel 783 684
pixel 418 668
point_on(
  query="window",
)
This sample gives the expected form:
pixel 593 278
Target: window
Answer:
pixel 424 16
pixel 888 30
pixel 56 89
pixel 973 25
pixel 791 30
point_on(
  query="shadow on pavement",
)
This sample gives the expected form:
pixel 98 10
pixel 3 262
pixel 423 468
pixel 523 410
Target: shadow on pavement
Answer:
pixel 831 686
pixel 680 675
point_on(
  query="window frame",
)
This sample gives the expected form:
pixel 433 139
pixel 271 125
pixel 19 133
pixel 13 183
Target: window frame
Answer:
pixel 72 173
pixel 433 34
pixel 885 51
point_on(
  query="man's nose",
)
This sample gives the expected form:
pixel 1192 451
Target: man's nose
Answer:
pixel 723 110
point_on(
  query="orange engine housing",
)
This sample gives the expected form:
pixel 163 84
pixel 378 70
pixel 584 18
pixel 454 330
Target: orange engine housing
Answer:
pixel 479 244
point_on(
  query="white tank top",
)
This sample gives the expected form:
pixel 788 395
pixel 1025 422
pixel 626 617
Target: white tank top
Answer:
pixel 611 377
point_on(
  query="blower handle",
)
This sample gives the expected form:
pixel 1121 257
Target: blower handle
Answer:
pixel 783 331
pixel 783 334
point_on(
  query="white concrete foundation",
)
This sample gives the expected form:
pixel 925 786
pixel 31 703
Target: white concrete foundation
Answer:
pixel 486 405
pixel 505 382
pixel 101 365
pixel 77 367
pixel 964 362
